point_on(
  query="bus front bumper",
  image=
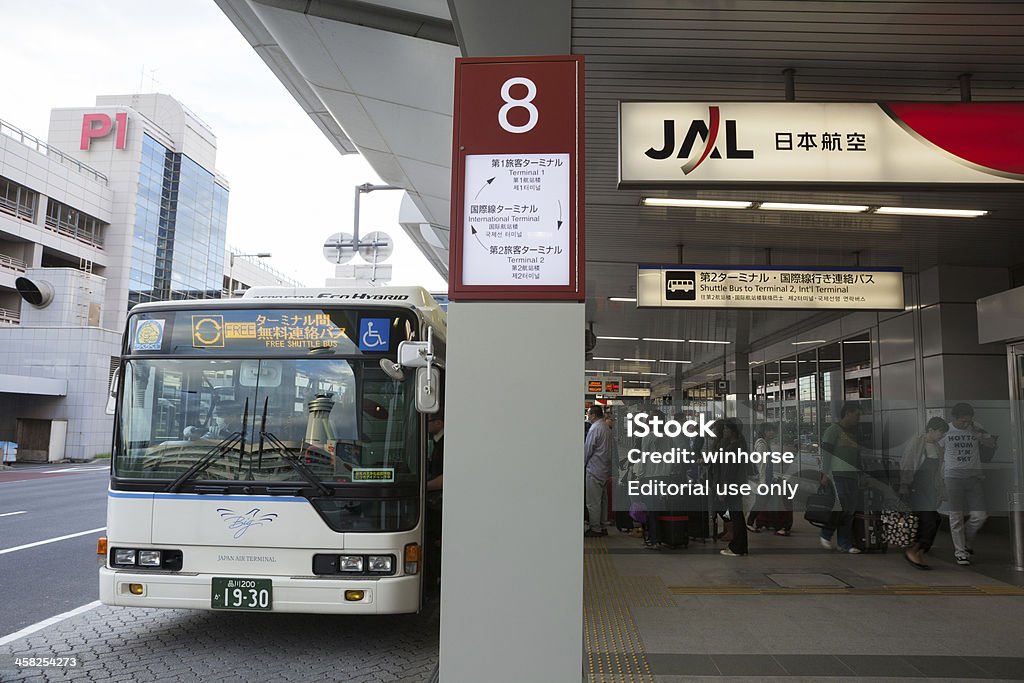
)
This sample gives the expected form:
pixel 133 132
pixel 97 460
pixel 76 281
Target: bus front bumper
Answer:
pixel 385 595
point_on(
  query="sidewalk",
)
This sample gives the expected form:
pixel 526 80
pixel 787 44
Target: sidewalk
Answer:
pixel 797 612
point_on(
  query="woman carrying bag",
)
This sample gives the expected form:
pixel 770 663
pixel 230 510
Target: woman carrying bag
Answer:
pixel 922 486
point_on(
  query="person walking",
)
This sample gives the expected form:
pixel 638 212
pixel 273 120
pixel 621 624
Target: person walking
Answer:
pixel 964 479
pixel 840 465
pixel 597 466
pixel 731 440
pixel 922 485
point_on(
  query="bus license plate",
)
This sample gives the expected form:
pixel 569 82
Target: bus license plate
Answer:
pixel 246 594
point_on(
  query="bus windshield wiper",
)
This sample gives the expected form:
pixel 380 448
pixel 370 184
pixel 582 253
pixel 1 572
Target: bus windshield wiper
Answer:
pixel 227 444
pixel 289 456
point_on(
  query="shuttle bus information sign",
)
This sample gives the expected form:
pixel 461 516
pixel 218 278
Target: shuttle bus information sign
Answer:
pixel 517 179
pixel 874 289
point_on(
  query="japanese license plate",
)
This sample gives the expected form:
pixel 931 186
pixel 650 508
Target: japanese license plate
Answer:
pixel 245 594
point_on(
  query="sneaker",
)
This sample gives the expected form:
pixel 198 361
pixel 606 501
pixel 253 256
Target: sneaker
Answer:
pixel 785 532
pixel 851 550
pixel 962 558
pixel 826 543
pixel 753 529
pixel 729 553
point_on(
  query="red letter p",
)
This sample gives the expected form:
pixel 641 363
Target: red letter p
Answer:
pixel 89 132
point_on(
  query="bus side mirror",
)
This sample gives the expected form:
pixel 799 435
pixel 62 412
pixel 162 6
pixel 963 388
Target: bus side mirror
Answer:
pixel 428 390
pixel 414 354
pixel 112 396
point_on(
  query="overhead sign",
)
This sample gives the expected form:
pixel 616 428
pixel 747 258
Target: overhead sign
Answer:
pixel 605 386
pixel 517 179
pixel 769 287
pixel 793 142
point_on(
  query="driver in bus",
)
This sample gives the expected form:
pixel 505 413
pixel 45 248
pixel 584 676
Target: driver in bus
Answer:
pixel 225 420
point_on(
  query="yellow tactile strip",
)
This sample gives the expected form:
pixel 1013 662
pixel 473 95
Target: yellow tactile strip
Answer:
pixel 996 590
pixel 615 652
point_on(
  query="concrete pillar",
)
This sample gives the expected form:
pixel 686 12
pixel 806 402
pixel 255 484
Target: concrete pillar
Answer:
pixel 512 574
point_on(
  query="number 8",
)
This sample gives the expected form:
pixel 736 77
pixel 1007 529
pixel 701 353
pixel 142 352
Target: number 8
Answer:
pixel 510 104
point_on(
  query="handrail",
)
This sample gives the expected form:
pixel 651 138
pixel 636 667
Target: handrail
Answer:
pixel 38 145
pixel 9 317
pixel 12 263
pixel 74 233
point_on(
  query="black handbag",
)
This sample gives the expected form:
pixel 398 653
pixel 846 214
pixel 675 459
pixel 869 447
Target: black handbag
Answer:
pixel 820 506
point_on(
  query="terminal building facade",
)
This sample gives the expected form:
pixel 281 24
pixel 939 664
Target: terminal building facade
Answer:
pixel 120 205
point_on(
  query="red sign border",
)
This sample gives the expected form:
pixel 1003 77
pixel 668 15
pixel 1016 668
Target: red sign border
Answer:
pixel 574 291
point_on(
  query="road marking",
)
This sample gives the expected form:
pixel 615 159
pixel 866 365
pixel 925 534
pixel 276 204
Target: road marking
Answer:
pixel 51 540
pixel 29 630
pixel 11 514
pixel 66 469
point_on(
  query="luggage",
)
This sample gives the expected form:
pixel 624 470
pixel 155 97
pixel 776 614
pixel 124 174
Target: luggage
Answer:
pixel 899 527
pixel 819 507
pixel 623 522
pixel 868 532
pixel 673 529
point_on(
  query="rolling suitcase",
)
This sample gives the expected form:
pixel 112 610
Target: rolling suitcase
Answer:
pixel 673 529
pixel 868 531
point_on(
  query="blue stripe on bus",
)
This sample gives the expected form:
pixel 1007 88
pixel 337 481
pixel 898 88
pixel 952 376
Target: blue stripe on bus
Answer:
pixel 202 496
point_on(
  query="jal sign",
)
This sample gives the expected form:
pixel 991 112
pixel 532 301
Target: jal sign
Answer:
pixel 100 125
pixel 517 179
pixel 795 142
pixel 878 289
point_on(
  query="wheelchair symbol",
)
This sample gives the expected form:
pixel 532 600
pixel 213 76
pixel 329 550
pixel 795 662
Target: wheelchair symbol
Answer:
pixel 371 337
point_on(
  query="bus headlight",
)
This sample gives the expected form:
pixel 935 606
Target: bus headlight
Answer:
pixel 380 563
pixel 124 556
pixel 350 563
pixel 149 558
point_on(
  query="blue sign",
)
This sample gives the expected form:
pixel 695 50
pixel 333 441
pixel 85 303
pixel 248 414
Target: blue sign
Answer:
pixel 374 334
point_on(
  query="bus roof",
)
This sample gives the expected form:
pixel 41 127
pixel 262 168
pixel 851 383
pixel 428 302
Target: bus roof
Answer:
pixel 415 298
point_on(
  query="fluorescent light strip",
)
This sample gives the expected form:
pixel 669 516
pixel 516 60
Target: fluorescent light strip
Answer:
pixel 640 360
pixel 624 372
pixel 598 372
pixel 675 361
pixel 949 213
pixel 857 341
pixel 621 298
pixel 658 339
pixel 621 338
pixel 660 374
pixel 788 206
pixel 696 203
pixel 708 341
pixel 604 358
pixel 811 341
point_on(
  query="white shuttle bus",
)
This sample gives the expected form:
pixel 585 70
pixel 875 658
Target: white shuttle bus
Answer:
pixel 270 452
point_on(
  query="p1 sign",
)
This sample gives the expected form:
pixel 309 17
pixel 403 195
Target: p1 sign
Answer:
pixel 99 126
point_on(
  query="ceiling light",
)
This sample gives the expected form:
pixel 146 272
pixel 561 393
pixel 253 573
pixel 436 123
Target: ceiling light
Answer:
pixel 857 341
pixel 640 360
pixel 658 339
pixel 625 372
pixel 622 298
pixel 950 213
pixel 787 206
pixel 598 372
pixel 810 341
pixel 675 361
pixel 605 358
pixel 660 374
pixel 621 338
pixel 696 203
pixel 708 341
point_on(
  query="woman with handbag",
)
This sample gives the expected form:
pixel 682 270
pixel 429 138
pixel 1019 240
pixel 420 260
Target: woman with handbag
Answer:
pixel 923 486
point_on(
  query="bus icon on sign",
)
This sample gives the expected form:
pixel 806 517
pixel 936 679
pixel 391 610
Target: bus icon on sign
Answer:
pixel 681 285
pixel 677 285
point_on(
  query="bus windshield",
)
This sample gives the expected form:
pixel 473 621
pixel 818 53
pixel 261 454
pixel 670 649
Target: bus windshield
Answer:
pixel 345 421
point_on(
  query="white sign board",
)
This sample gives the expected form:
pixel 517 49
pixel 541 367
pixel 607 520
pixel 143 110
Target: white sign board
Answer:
pixel 787 142
pixel 515 214
pixel 769 287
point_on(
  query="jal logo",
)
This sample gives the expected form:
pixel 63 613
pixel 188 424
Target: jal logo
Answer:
pixel 240 523
pixel 100 125
pixel 708 132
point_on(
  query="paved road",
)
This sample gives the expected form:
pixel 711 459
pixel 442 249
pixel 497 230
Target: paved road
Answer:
pixel 129 644
pixel 49 502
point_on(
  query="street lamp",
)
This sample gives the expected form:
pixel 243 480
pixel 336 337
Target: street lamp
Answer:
pixel 231 267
